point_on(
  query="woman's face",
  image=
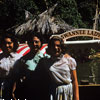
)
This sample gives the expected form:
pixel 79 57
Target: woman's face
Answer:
pixel 9 45
pixel 35 45
pixel 56 48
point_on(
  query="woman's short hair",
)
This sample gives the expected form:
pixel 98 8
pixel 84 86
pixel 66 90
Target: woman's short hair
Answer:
pixel 31 34
pixel 9 34
pixel 51 43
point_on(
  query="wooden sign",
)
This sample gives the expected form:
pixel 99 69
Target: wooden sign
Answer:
pixel 80 32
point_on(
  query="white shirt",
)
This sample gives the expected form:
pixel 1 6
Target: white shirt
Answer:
pixel 60 70
pixel 6 64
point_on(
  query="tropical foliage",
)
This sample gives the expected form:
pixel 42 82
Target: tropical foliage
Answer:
pixel 78 13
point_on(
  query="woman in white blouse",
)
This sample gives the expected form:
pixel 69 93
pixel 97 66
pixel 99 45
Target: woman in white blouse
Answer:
pixel 8 58
pixel 62 70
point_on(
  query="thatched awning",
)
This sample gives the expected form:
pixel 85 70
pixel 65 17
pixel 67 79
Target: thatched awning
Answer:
pixel 45 23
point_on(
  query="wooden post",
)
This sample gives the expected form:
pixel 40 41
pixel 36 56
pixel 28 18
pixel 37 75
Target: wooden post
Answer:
pixel 46 3
pixel 95 25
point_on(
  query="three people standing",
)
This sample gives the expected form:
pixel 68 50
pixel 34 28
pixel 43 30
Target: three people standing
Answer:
pixel 50 76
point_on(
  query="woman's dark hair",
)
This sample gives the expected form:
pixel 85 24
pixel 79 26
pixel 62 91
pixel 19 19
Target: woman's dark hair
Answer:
pixel 9 34
pixel 51 43
pixel 31 34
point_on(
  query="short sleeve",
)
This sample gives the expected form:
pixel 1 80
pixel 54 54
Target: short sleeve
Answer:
pixel 72 63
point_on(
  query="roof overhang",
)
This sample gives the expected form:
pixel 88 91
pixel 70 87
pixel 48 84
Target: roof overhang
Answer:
pixel 82 42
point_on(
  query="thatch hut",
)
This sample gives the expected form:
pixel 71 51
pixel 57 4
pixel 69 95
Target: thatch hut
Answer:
pixel 45 24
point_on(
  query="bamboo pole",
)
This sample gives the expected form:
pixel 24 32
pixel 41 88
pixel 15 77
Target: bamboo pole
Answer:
pixel 95 25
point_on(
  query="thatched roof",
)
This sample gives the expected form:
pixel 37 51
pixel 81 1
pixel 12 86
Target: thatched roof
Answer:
pixel 44 23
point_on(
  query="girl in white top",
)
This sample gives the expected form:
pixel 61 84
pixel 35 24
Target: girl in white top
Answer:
pixel 8 58
pixel 62 70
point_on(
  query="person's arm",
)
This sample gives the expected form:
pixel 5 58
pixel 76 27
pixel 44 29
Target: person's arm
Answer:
pixel 14 75
pixel 75 85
